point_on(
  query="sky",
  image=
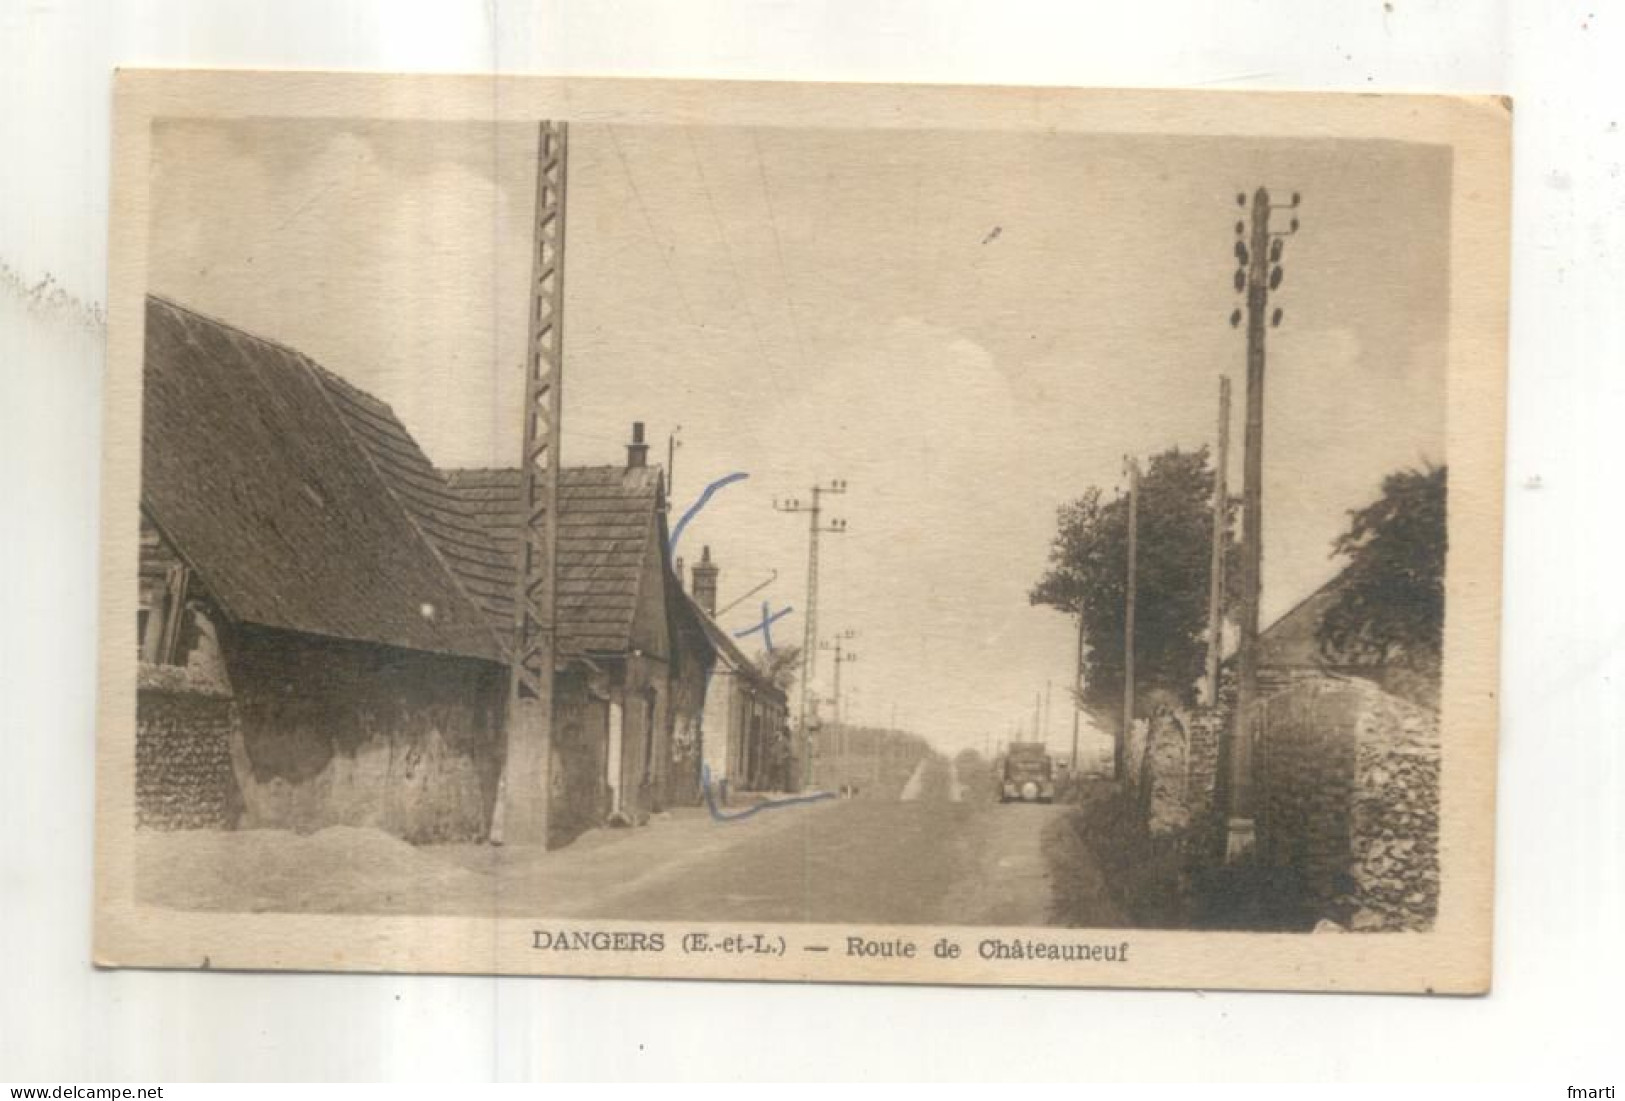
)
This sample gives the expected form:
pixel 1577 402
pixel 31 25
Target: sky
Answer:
pixel 969 327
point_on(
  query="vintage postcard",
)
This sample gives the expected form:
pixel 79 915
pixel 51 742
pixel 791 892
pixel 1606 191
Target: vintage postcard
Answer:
pixel 802 532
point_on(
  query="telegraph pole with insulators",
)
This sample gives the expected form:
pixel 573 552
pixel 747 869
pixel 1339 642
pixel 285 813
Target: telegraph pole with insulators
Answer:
pixel 1221 528
pixel 1258 275
pixel 1077 689
pixel 842 657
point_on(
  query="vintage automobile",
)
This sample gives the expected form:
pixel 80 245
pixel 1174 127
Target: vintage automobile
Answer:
pixel 1027 774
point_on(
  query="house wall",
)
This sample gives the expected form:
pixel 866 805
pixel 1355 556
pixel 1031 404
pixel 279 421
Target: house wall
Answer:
pixel 688 694
pixel 579 776
pixel 643 694
pixel 748 720
pixel 252 727
pixel 741 724
pixel 343 733
pixel 776 752
pixel 762 719
pixel 717 727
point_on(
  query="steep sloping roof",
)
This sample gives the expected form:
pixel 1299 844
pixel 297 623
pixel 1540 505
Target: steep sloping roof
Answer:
pixel 608 523
pixel 439 511
pixel 695 645
pixel 730 652
pixel 258 481
pixel 1290 642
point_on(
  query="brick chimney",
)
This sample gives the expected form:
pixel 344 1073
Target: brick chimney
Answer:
pixel 705 583
pixel 637 452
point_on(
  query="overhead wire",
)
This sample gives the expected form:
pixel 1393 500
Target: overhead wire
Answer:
pixel 728 255
pixel 778 248
pixel 648 224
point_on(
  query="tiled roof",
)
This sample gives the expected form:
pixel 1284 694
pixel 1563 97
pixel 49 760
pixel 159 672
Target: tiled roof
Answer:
pixel 1292 642
pixel 609 522
pixel 455 532
pixel 732 654
pixel 266 489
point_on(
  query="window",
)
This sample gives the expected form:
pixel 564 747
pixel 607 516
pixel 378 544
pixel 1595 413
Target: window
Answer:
pixel 163 617
pixel 162 592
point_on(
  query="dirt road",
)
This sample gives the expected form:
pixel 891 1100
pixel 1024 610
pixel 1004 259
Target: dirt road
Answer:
pixel 941 854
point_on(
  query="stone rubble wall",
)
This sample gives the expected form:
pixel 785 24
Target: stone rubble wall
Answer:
pixel 183 773
pixel 1165 777
pixel 1395 819
pixel 1173 765
pixel 1202 730
pixel 1347 798
pixel 1139 732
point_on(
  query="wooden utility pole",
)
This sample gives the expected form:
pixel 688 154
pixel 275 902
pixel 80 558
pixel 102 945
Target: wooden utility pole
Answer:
pixel 1259 274
pixel 837 715
pixel 1120 750
pixel 523 789
pixel 877 745
pixel 837 719
pixel 1077 690
pixel 1221 527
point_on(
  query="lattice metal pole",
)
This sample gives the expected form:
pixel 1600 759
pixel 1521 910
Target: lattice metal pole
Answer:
pixel 525 790
pixel 809 636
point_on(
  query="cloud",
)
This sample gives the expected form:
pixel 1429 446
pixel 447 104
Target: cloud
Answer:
pixel 943 539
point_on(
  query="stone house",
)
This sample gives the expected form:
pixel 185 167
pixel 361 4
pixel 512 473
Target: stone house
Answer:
pixel 1289 653
pixel 697 659
pixel 325 617
pixel 634 661
pixel 307 656
pixel 746 715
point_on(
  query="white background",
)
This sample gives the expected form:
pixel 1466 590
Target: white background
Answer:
pixel 1554 1016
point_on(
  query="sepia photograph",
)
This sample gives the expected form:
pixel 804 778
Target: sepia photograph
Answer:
pixel 802 532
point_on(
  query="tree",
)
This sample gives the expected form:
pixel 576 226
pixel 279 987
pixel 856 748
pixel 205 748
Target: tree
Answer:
pixel 780 666
pixel 1390 599
pixel 1087 576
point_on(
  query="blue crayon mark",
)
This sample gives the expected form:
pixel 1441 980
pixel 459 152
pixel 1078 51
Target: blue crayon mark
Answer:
pixel 721 815
pixel 693 510
pixel 765 626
